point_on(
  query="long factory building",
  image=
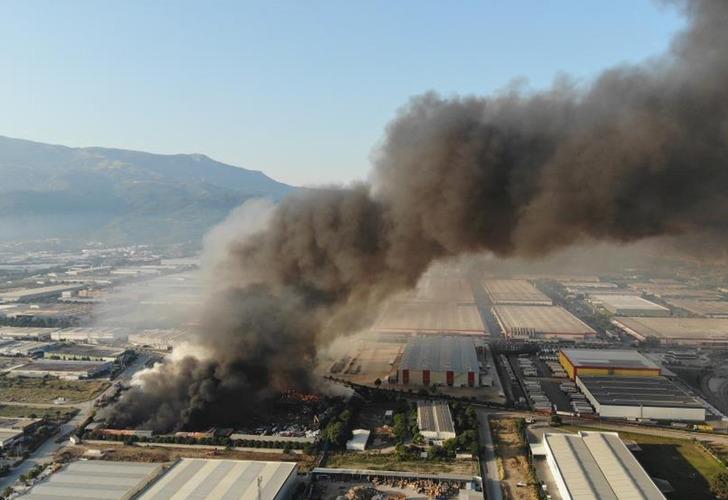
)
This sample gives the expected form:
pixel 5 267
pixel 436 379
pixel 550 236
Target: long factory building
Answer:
pixel 186 479
pixel 702 308
pixel 628 305
pixel 541 323
pixel 420 317
pixel 435 360
pixel 676 331
pixel 515 292
pixel 654 398
pixel 595 465
pixel 606 362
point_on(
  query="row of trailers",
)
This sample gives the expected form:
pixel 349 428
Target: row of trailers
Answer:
pixel 578 401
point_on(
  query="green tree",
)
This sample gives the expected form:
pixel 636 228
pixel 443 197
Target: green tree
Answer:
pixel 400 427
pixel 555 420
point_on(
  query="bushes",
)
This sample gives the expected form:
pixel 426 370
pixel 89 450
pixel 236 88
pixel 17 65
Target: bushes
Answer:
pixel 338 431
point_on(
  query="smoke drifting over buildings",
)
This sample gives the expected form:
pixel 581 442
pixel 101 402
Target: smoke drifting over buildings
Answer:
pixel 642 151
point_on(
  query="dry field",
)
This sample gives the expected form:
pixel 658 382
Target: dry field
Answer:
pixel 513 456
pixel 38 390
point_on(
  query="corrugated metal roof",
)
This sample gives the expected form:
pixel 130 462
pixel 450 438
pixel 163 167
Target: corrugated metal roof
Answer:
pixel 598 466
pixel 436 353
pixel 608 358
pixel 628 302
pixel 541 319
pixel 514 292
pixel 637 391
pixel 434 416
pixel 200 478
pixel 94 479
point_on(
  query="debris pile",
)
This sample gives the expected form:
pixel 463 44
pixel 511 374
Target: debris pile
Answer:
pixel 432 489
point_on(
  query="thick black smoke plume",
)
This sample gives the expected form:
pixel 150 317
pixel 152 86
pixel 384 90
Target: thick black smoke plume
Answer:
pixel 642 151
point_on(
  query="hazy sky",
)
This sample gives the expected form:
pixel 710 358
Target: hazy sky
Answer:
pixel 299 89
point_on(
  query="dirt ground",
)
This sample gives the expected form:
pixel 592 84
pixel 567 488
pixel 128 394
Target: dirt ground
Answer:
pixel 511 449
pixel 336 489
pixel 124 453
pixel 375 461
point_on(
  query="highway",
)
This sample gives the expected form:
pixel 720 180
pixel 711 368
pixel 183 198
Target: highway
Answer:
pixel 45 452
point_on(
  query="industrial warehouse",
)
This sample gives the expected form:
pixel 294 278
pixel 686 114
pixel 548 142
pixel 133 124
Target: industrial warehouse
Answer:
pixel 541 322
pixel 655 398
pixel 162 339
pixel 702 308
pixel 430 317
pixel 95 479
pixel 198 478
pixel 677 331
pixel 595 465
pixel 435 421
pixel 25 333
pixel 65 370
pixel 605 362
pixel 450 361
pixel 628 305
pixel 515 292
pixel 187 478
pixel 675 290
pixel 26 294
pixel 85 352
pixel 438 288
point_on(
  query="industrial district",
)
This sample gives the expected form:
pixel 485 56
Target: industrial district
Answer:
pixel 476 384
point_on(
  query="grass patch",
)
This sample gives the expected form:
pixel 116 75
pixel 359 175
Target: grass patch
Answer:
pixel 687 466
pixel 52 413
pixel 35 390
pixel 372 461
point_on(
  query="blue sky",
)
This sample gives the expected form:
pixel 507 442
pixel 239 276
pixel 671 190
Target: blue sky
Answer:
pixel 299 89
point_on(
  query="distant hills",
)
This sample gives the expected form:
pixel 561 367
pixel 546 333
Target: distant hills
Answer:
pixel 118 196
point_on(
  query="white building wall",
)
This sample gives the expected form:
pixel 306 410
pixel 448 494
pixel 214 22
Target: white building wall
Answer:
pixel 289 487
pixel 653 412
pixel 556 473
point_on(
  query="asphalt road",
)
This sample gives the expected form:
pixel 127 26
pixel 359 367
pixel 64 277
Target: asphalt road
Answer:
pixel 491 486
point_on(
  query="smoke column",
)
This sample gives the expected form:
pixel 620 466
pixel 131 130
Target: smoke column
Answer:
pixel 641 151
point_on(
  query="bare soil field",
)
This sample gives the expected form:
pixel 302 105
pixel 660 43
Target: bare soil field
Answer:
pixel 376 461
pixel 511 450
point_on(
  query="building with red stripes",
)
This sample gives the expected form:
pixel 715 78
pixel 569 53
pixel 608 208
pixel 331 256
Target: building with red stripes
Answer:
pixel 434 360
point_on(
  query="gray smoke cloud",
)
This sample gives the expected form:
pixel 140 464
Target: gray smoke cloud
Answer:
pixel 641 151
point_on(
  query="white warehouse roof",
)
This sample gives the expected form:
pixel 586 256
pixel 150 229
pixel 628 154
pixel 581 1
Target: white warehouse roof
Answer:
pixel 95 479
pixel 359 440
pixel 199 478
pixel 628 302
pixel 440 354
pixel 598 466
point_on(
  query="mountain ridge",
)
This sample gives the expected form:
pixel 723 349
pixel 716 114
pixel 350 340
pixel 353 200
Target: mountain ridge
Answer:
pixel 119 196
